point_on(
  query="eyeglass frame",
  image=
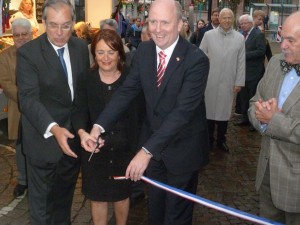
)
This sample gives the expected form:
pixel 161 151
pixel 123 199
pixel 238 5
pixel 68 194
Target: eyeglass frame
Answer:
pixel 65 27
pixel 23 34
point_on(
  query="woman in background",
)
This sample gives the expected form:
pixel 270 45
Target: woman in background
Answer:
pixel 186 31
pixel 200 24
pixel 26 11
pixel 82 31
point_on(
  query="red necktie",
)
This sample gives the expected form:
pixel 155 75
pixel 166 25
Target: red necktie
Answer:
pixel 245 33
pixel 161 67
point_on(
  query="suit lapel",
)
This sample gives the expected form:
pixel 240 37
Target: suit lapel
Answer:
pixel 293 98
pixel 251 35
pixel 74 61
pixel 52 58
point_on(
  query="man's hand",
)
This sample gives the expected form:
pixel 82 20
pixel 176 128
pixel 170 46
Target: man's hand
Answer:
pixel 237 89
pixel 62 134
pixel 89 142
pixel 264 110
pixel 138 165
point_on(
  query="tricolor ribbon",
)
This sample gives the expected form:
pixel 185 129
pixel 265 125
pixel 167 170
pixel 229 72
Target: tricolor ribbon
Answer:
pixel 207 203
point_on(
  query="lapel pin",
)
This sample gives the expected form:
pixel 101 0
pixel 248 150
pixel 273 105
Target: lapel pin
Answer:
pixel 177 59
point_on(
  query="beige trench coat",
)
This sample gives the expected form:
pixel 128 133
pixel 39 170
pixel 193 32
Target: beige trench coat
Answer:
pixel 226 53
pixel 8 83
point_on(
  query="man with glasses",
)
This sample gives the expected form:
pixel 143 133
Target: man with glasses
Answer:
pixel 255 58
pixel 48 71
pixel 21 30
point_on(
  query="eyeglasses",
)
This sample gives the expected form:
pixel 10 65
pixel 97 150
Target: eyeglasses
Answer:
pixel 109 53
pixel 64 27
pixel 25 34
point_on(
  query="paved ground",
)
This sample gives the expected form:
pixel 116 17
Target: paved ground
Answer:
pixel 228 179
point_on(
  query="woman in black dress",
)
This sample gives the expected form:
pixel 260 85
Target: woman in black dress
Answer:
pixel 95 92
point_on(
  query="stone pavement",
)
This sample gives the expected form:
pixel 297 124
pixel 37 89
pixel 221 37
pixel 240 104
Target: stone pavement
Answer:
pixel 228 179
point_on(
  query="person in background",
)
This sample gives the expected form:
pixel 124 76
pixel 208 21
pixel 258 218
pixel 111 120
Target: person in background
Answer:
pixel 266 22
pixel 172 74
pixel 82 31
pixel 214 23
pixel 186 31
pixel 102 82
pixel 112 24
pixel 274 112
pixel 225 48
pixel 255 58
pixel 194 36
pixel 134 34
pixel 258 17
pixel 48 71
pixel 26 10
pixel 22 33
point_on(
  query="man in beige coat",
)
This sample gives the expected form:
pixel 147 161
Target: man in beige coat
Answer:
pixel 225 48
pixel 21 30
pixel 275 112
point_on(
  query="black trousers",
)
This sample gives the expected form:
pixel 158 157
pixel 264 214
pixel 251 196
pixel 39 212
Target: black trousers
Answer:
pixel 221 131
pixel 166 208
pixel 50 190
pixel 246 94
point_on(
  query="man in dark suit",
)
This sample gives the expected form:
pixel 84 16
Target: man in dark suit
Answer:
pixel 48 69
pixel 255 57
pixel 174 134
pixel 214 23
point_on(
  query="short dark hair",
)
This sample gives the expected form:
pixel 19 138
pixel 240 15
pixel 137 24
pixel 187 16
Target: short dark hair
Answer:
pixel 114 41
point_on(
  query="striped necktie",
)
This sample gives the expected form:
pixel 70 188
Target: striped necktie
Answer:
pixel 161 67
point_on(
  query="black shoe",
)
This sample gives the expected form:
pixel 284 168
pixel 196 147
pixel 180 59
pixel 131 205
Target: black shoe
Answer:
pixel 241 123
pixel 19 190
pixel 223 146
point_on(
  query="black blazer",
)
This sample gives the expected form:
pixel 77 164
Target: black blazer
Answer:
pixel 201 33
pixel 255 55
pixel 174 128
pixel 44 93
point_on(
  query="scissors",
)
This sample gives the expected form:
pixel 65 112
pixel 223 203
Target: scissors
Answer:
pixel 97 146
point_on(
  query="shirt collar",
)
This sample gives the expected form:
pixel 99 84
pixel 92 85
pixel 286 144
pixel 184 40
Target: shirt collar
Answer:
pixel 168 51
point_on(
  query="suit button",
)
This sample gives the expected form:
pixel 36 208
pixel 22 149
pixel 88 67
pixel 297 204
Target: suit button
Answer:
pixel 112 133
pixel 110 161
pixel 111 149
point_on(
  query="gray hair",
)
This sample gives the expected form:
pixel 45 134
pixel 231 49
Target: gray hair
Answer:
pixel 246 16
pixel 226 10
pixel 56 4
pixel 21 22
pixel 109 22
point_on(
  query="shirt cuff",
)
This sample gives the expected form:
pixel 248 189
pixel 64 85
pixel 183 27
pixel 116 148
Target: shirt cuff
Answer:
pixel 47 133
pixel 263 128
pixel 101 128
pixel 146 150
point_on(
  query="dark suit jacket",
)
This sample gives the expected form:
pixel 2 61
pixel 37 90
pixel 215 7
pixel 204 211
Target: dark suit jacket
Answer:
pixel 255 55
pixel 174 129
pixel 201 33
pixel 44 94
